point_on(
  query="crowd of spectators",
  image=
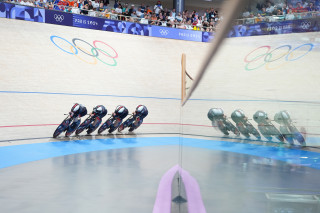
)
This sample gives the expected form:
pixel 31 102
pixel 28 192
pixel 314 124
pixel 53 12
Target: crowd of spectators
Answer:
pixel 158 15
pixel 145 14
pixel 270 11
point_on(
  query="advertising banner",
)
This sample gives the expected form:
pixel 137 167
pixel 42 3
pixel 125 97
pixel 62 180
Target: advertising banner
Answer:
pixel 138 29
pixel 7 10
pixel 173 33
pixel 57 17
pixel 306 25
pixel 22 12
pixel 207 36
pixel 270 28
pixel 88 22
pixel 114 26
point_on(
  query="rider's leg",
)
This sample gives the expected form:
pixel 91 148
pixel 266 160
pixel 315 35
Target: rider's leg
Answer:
pixel 136 124
pixel 95 123
pixel 75 124
pixel 117 122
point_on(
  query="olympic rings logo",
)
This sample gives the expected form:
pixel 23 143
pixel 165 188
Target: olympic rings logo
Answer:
pixel 163 32
pixel 306 25
pixel 93 50
pixel 58 18
pixel 262 56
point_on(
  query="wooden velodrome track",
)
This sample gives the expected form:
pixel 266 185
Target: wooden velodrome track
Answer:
pixel 40 81
pixel 146 67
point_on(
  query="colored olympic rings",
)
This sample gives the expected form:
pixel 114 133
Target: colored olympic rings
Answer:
pixel 88 49
pixel 265 57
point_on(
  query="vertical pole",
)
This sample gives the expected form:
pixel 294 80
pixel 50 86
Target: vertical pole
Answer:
pixel 183 77
pixel 178 5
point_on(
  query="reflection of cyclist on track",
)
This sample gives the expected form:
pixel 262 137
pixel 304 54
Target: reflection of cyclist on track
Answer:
pixel 219 119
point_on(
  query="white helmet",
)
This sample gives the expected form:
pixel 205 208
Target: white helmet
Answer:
pixel 98 109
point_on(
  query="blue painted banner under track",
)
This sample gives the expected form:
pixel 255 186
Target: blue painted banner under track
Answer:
pixel 14 155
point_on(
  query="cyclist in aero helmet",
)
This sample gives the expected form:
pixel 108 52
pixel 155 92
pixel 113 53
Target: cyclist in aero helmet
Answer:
pixel 140 113
pixel 215 113
pixel 77 111
pixel 120 113
pixel 99 112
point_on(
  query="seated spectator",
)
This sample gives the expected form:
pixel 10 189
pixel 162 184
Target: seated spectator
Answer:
pixel 144 15
pixel 50 6
pixel 93 13
pixel 85 10
pixel 126 12
pixel 259 18
pixel 205 23
pixel 173 12
pixel 118 10
pixel 145 19
pixel 299 9
pixel 31 3
pixel 171 17
pixel 134 15
pixel 290 15
pixel 165 12
pixel 269 9
pixel 113 15
pixel 189 25
pixel 250 19
pixel 172 24
pixel 139 12
pixel 179 17
pixel 73 3
pixel 283 8
pixel 279 13
pixel 311 7
pixel 90 6
pixel 153 18
pixel 116 3
pixel 101 7
pixel 212 13
pixel 23 2
pixel 68 10
pixel 81 4
pixel 181 24
pixel 149 11
pixel 131 10
pixel 75 10
pixel 200 22
pixel 40 4
pixel 161 20
pixel 263 12
pixel 95 4
pixel 143 8
pixel 124 8
pixel 246 14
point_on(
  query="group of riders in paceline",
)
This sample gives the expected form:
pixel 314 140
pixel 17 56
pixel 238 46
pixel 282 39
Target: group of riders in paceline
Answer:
pixel 72 123
pixel 287 129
